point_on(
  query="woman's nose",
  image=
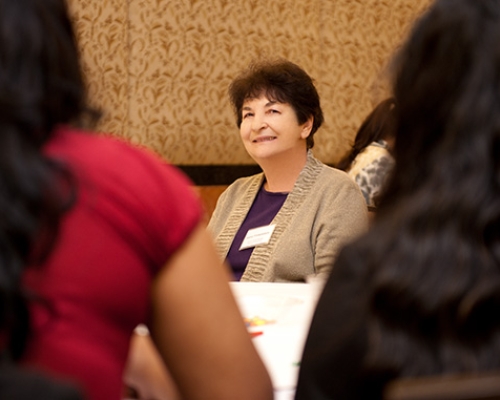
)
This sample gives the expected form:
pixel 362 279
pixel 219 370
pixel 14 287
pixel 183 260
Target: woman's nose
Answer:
pixel 259 122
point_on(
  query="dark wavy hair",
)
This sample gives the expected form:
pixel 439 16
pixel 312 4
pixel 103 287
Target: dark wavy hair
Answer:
pixel 434 248
pixel 41 86
pixel 279 80
pixel 378 125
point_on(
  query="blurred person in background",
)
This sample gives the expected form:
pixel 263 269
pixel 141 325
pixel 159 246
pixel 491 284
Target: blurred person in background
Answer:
pixel 419 294
pixel 369 162
pixel 98 236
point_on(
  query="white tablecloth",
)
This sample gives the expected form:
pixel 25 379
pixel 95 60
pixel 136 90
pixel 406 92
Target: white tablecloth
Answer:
pixel 281 314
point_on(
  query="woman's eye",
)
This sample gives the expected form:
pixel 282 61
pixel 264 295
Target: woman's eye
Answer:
pixel 248 114
pixel 273 111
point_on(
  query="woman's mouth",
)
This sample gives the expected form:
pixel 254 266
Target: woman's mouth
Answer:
pixel 263 139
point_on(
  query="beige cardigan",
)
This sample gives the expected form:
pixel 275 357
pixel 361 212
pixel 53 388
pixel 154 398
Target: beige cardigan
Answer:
pixel 324 210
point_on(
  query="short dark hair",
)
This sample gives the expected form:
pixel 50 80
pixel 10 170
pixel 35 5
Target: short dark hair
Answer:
pixel 279 80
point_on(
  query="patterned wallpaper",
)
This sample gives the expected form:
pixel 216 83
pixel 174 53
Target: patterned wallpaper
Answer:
pixel 160 69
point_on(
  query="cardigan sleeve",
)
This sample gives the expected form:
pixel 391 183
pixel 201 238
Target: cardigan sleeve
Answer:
pixel 341 217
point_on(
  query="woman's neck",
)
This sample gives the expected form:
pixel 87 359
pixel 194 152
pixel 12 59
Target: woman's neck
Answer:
pixel 281 175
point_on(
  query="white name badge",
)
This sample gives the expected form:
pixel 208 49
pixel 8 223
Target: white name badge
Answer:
pixel 257 236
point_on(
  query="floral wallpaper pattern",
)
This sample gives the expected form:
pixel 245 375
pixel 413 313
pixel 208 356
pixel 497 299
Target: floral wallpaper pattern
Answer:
pixel 159 69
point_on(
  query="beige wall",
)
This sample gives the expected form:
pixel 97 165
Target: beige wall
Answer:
pixel 160 68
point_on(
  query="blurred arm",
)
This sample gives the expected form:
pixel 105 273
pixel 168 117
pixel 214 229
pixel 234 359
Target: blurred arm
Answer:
pixel 199 330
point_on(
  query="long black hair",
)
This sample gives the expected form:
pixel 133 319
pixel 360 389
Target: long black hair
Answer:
pixel 378 125
pixel 41 86
pixel 434 248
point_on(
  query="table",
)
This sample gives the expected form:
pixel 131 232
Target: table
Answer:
pixel 279 315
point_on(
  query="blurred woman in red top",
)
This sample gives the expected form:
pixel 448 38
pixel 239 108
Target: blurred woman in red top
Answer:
pixel 98 236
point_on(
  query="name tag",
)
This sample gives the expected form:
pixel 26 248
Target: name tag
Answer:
pixel 257 236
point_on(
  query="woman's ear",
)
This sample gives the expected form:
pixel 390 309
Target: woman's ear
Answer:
pixel 307 127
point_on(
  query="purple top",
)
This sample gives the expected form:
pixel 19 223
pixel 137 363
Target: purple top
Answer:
pixel 264 208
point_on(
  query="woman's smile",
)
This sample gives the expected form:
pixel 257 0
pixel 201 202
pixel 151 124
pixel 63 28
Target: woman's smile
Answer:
pixel 263 139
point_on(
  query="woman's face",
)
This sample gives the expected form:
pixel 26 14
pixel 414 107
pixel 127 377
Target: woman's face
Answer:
pixel 270 129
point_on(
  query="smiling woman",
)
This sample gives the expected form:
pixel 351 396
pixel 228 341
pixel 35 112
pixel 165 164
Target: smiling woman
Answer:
pixel 289 221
